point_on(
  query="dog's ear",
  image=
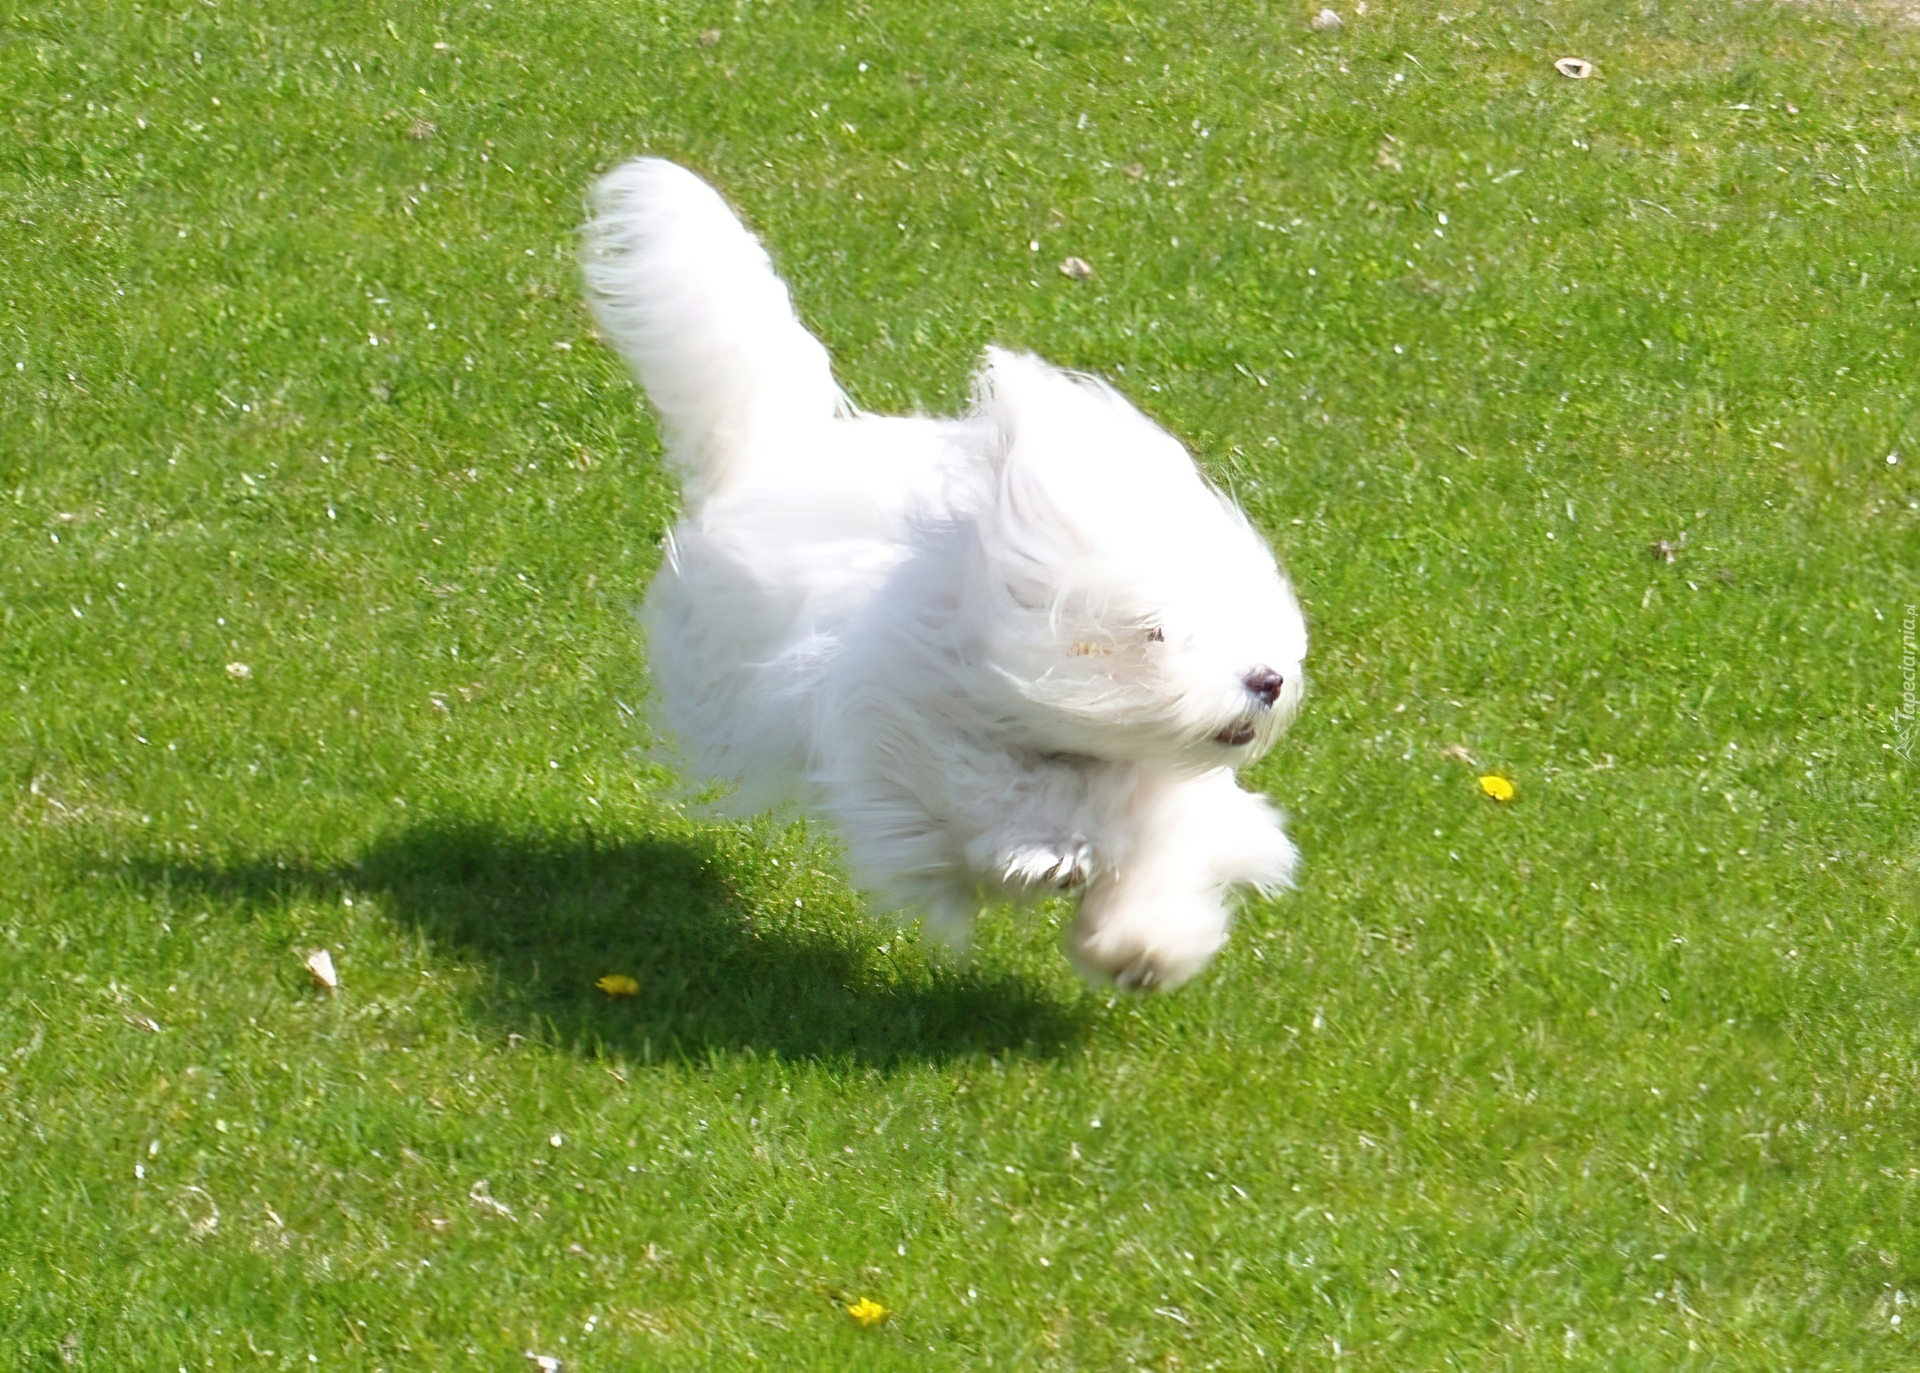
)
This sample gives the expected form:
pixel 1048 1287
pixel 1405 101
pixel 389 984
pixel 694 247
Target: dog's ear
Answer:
pixel 1074 457
pixel 1045 415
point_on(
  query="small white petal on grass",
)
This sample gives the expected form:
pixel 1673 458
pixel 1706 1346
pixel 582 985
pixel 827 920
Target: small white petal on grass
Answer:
pixel 142 1022
pixel 546 1363
pixel 207 1223
pixel 319 964
pixel 239 671
pixel 480 1196
pixel 1327 21
pixel 1078 268
pixel 1576 67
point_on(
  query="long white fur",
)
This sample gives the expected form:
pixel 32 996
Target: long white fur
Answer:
pixel 1005 654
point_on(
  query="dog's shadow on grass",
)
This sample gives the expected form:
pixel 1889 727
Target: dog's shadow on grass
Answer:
pixel 544 917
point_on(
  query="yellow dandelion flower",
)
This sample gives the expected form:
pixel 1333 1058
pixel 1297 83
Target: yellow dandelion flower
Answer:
pixel 867 1311
pixel 1496 786
pixel 618 984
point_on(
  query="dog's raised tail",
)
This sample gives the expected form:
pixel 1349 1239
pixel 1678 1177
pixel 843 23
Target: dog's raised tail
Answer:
pixel 689 297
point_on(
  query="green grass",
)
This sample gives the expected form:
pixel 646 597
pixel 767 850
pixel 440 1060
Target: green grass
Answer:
pixel 1621 1075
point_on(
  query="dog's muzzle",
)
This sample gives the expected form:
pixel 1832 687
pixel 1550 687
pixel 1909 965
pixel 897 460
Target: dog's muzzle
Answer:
pixel 1263 684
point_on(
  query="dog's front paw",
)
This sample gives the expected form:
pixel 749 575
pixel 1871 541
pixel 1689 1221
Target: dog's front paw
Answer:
pixel 1146 936
pixel 1066 865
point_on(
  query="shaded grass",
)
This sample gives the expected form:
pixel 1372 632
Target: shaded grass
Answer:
pixel 540 917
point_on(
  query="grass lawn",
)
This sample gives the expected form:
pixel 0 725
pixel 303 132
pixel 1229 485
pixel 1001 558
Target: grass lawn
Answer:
pixel 323 516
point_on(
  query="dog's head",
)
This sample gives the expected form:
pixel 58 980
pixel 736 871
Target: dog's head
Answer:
pixel 1132 609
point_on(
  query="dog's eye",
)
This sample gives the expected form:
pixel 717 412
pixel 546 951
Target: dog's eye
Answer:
pixel 1156 635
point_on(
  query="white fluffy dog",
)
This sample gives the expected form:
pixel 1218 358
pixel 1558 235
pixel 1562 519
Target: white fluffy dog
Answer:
pixel 1012 653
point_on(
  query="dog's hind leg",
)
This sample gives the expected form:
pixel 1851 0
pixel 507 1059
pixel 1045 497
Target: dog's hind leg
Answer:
pixel 900 854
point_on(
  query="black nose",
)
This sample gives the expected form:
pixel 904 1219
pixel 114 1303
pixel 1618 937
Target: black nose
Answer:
pixel 1265 683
